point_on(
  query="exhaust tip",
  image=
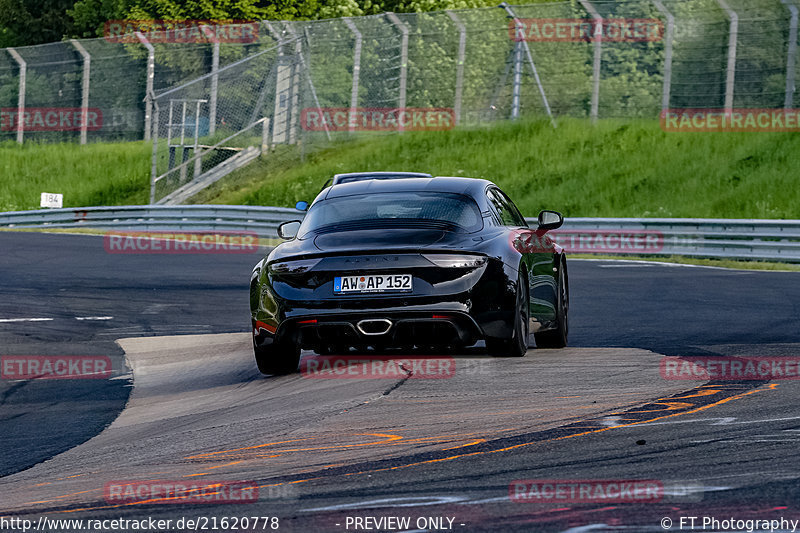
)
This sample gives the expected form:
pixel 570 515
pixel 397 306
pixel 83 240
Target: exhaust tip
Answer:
pixel 374 326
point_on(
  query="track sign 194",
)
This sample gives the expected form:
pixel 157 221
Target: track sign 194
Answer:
pixel 52 200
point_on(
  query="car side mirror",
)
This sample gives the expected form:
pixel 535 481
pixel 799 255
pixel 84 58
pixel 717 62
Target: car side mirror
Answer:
pixel 288 230
pixel 550 220
pixel 301 206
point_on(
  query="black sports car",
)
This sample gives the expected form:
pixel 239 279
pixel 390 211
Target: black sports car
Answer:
pixel 406 261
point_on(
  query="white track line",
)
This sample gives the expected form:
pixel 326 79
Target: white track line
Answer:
pixel 667 263
pixel 632 265
pixel 43 319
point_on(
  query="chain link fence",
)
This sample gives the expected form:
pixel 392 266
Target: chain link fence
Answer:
pixel 293 87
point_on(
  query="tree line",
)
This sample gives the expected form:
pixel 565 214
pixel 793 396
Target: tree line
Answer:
pixel 29 22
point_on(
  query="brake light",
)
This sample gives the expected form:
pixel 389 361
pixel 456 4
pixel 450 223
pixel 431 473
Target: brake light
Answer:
pixel 297 266
pixel 311 321
pixel 456 260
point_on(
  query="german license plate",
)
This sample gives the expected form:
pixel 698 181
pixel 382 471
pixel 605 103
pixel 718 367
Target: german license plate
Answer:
pixel 372 283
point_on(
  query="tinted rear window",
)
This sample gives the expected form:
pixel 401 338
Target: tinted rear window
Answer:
pixel 395 209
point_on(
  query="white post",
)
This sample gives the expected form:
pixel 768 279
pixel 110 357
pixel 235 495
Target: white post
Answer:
pixel 517 90
pixel 598 52
pixel 196 151
pixel 154 156
pixel 669 37
pixel 791 56
pixel 183 142
pixel 280 122
pixel 151 72
pixel 294 84
pixel 462 46
pixel 23 76
pixel 732 39
pixel 356 70
pixel 87 69
pixel 401 100
pixel 306 68
pixel 169 126
pixel 212 100
pixel 264 135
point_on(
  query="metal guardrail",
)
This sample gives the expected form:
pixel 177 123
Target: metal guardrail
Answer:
pixel 775 240
pixel 261 220
pixel 765 240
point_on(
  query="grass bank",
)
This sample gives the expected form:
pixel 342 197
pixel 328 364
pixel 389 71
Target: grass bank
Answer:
pixel 614 168
pixel 93 174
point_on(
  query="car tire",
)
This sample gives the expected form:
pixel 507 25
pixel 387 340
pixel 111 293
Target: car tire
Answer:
pixel 517 345
pixel 557 338
pixel 278 358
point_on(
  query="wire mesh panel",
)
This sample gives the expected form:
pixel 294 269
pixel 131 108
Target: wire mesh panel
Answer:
pixel 632 64
pixel 321 64
pixel 9 94
pixel 180 58
pixel 52 93
pixel 329 80
pixel 246 93
pixel 761 54
pixel 556 36
pixel 486 64
pixel 380 62
pixel 432 56
pixel 700 54
pixel 792 64
pixel 330 52
pixel 117 88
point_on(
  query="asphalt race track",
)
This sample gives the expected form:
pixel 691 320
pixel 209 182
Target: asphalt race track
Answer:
pixel 82 299
pixel 185 404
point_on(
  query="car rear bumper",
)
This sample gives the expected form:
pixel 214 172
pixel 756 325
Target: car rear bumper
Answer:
pixel 384 329
pixel 458 311
pixel 387 330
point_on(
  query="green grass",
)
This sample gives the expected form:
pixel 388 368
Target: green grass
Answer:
pixel 615 168
pixel 612 169
pixel 93 174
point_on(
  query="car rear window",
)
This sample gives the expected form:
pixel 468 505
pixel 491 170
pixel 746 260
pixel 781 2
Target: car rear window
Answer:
pixel 395 209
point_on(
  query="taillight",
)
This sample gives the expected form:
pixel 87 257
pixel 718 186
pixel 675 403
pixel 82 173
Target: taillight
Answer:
pixel 456 260
pixel 293 267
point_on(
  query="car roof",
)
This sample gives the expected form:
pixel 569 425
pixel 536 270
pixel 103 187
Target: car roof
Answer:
pixel 469 186
pixel 359 176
